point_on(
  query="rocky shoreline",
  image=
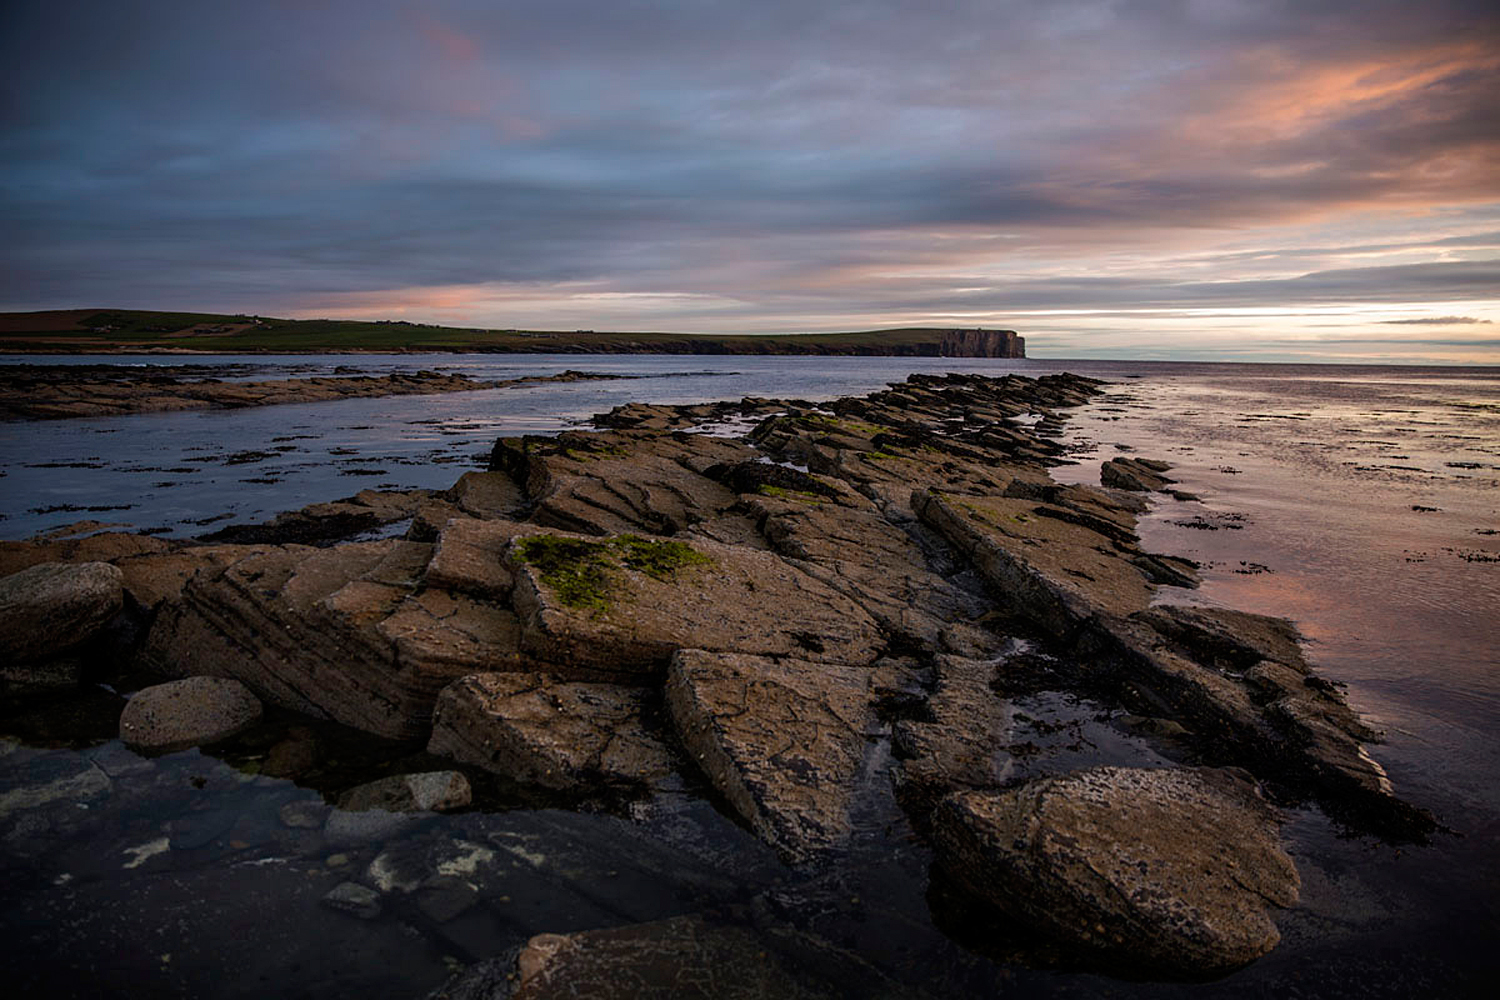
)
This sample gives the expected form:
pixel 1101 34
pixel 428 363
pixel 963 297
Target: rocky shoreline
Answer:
pixel 873 579
pixel 56 392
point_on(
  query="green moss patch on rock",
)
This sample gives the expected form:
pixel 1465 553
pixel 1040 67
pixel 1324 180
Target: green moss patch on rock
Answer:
pixel 780 493
pixel 578 571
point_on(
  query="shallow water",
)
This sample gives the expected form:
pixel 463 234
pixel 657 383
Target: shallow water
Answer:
pixel 1308 474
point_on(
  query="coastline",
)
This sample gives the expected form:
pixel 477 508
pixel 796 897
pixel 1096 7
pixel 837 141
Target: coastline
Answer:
pixel 56 392
pixel 905 494
pixel 122 331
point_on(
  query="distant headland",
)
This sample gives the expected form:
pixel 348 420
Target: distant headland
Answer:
pixel 117 331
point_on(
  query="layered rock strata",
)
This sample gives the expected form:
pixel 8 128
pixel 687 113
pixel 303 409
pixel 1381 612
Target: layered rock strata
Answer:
pixel 767 613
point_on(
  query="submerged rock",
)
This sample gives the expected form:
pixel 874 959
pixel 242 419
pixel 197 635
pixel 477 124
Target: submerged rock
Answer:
pixel 682 958
pixel 432 791
pixel 353 898
pixel 345 829
pixel 1171 870
pixel 186 713
pixel 33 779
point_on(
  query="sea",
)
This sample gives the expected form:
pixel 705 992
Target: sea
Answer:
pixel 1361 502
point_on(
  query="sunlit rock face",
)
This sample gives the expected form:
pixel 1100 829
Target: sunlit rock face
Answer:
pixel 982 344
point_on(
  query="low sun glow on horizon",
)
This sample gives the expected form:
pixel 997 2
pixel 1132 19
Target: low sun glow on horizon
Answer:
pixel 1221 181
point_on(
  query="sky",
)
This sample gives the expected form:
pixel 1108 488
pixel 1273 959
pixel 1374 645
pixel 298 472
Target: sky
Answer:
pixel 1216 179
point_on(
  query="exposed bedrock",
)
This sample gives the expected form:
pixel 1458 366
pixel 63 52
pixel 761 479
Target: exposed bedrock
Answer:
pixel 1239 681
pixel 346 633
pixel 783 740
pixel 60 391
pixel 626 603
pixel 1169 871
pixel 959 740
pixel 1141 475
pixel 847 604
pixel 566 735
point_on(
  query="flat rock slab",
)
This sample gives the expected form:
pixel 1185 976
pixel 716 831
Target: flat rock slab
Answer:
pixel 1053 570
pixel 628 602
pixel 469 556
pixel 50 607
pixel 187 713
pixel 487 495
pixel 539 729
pixel 1173 870
pixel 784 740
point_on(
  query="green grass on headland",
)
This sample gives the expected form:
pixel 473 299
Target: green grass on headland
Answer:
pixel 90 331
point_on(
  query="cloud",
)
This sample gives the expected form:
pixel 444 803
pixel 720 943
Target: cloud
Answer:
pixel 1436 321
pixel 769 163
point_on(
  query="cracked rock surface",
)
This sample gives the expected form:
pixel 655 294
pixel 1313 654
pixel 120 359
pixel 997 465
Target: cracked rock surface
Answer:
pixel 837 612
pixel 1173 870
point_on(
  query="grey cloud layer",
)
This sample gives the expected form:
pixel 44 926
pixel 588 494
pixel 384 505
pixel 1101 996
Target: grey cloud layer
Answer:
pixel 276 151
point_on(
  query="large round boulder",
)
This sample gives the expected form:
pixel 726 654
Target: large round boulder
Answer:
pixel 187 713
pixel 1169 870
pixel 50 607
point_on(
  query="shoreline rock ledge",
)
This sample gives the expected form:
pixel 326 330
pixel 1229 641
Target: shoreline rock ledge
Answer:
pixel 1172 870
pixel 848 612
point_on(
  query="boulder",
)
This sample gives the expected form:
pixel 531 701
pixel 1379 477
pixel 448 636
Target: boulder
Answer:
pixel 538 729
pixel 50 607
pixel 186 713
pixel 782 739
pixel 1173 871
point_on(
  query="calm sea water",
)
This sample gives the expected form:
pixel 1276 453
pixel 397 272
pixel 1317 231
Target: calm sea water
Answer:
pixel 1359 502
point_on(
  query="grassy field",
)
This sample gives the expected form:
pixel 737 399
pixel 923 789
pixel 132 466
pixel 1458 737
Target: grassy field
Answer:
pixel 116 330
